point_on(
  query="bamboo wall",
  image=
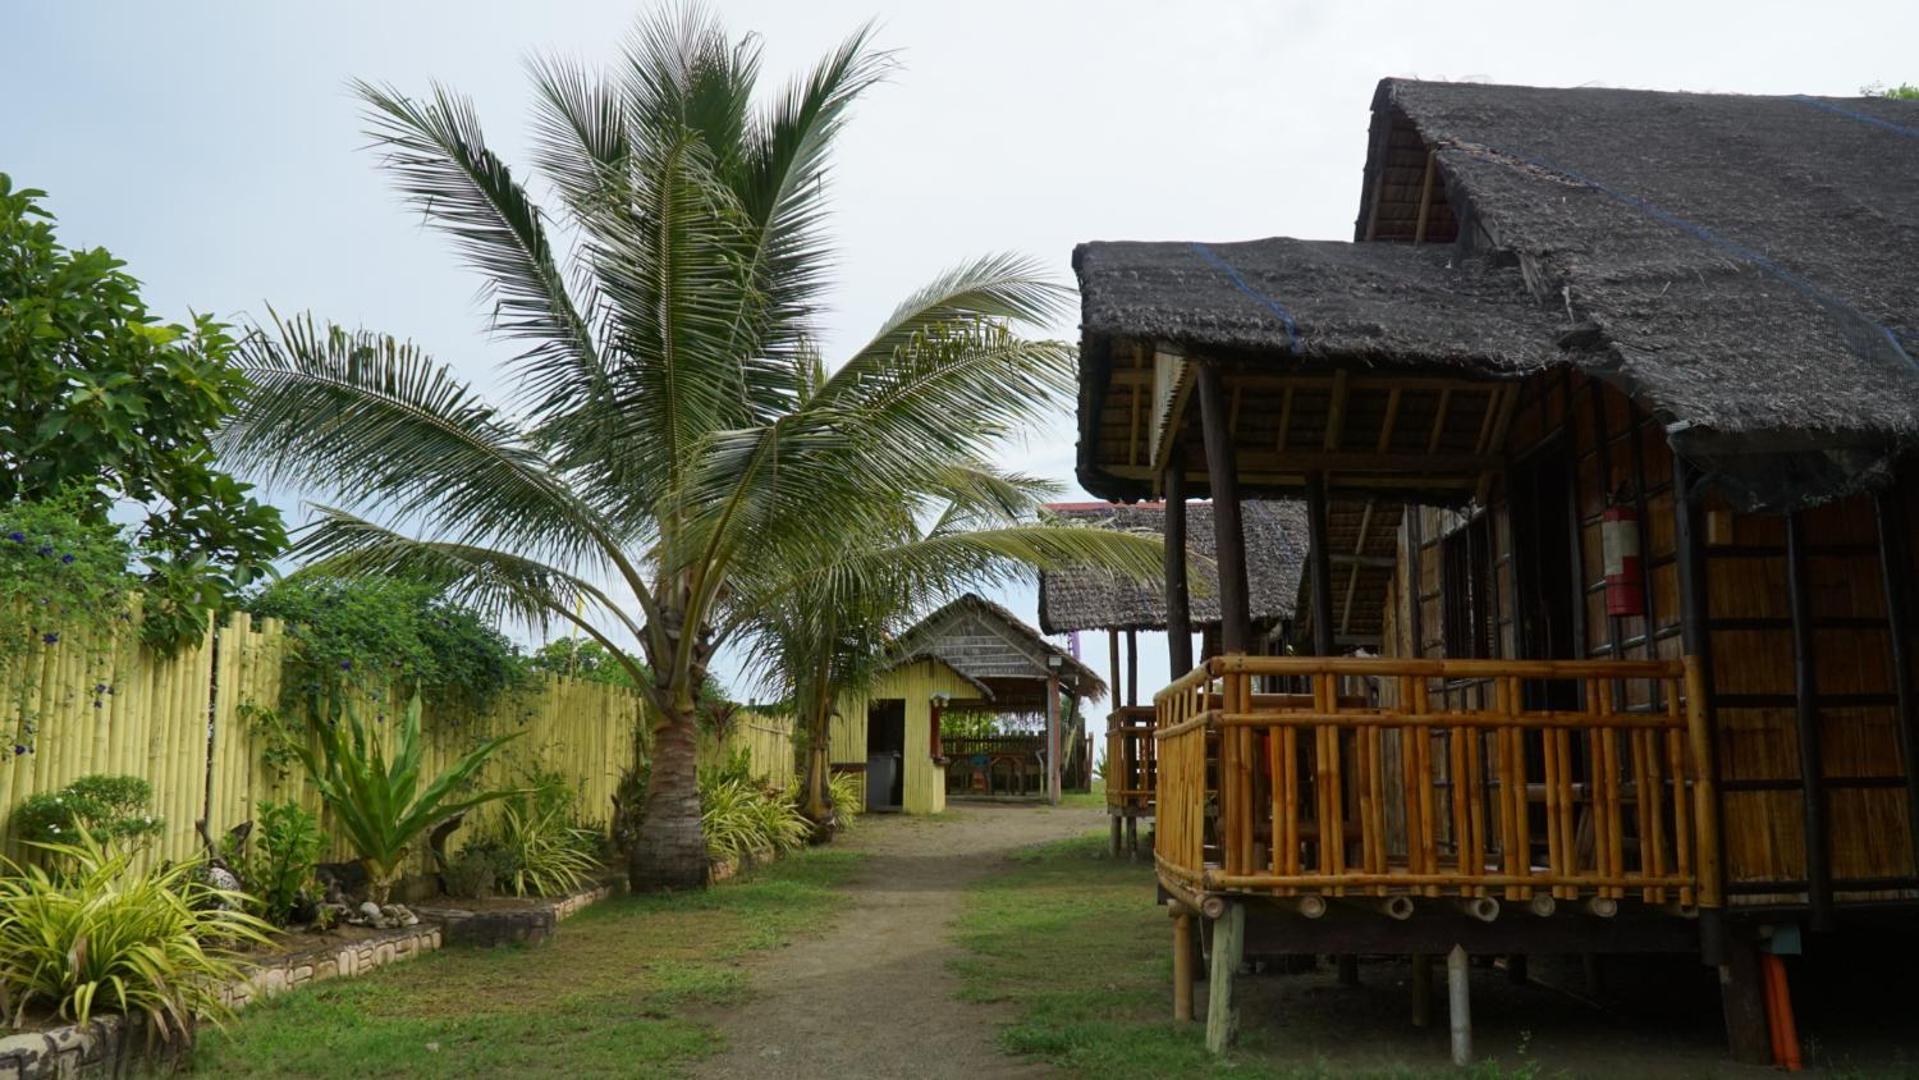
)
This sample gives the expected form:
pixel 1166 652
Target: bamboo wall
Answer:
pixel 188 726
pixel 1616 449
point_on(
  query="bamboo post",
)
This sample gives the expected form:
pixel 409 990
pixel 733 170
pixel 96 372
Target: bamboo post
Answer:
pixel 1229 940
pixel 1705 797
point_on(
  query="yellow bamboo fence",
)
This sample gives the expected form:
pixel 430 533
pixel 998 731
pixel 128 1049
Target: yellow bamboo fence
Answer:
pixel 199 727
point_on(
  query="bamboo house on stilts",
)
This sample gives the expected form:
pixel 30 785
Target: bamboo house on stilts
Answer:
pixel 1637 374
pixel 1073 599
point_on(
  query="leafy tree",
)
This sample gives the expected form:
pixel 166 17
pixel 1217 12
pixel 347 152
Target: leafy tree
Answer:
pixel 98 396
pixel 1901 92
pixel 679 463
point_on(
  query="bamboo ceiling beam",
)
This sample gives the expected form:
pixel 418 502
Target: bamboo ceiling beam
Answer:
pixel 1285 419
pixel 1336 411
pixel 1386 425
pixel 1439 420
pixel 1352 578
pixel 1172 386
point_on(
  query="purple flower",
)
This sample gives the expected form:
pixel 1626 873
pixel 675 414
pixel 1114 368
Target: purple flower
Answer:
pixel 50 638
pixel 44 550
pixel 18 749
pixel 346 665
pixel 17 537
pixel 67 559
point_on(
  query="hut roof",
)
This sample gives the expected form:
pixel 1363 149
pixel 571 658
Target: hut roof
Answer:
pixel 1090 599
pixel 1742 265
pixel 997 652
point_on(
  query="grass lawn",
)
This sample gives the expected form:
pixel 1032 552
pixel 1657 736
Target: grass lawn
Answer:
pixel 1071 939
pixel 619 990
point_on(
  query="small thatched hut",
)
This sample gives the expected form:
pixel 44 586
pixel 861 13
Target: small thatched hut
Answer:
pixel 972 656
pixel 1641 371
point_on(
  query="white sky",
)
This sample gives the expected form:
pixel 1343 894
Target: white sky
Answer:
pixel 213 146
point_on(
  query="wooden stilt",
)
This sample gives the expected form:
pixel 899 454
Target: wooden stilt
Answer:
pixel 1229 939
pixel 1348 969
pixel 1117 847
pixel 1742 996
pixel 1459 1004
pixel 1422 990
pixel 1132 837
pixel 1183 966
pixel 1132 669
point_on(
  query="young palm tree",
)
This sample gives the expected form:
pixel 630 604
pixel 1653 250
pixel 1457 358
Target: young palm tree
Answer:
pixel 679 461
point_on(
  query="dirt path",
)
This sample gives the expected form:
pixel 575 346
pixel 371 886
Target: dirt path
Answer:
pixel 873 996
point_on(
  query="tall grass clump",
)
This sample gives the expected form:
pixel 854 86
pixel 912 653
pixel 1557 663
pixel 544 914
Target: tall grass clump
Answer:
pixel 742 818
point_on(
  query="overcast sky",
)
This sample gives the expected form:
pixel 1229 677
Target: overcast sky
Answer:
pixel 215 148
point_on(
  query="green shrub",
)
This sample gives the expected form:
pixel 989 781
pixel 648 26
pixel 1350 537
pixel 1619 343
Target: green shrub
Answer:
pixel 476 871
pixel 277 864
pixel 111 809
pixel 382 806
pixel 107 936
pixel 847 793
pixel 741 819
pixel 539 845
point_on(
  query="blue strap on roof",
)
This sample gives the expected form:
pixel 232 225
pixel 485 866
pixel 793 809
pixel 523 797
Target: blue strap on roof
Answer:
pixel 1874 331
pixel 1854 114
pixel 1296 343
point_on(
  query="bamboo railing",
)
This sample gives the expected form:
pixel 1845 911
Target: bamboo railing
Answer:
pixel 1327 792
pixel 1132 760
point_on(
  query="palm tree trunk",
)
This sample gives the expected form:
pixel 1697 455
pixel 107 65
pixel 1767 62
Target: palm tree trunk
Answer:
pixel 670 850
pixel 817 803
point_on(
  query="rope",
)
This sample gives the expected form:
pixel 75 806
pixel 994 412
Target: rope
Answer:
pixel 1295 342
pixel 1731 247
pixel 1854 114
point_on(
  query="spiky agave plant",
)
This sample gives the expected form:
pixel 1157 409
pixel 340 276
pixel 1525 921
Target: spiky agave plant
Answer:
pixel 676 433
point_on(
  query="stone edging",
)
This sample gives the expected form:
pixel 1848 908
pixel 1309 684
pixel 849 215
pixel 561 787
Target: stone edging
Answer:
pixel 104 1046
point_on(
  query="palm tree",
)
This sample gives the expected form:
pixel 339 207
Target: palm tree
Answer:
pixel 679 461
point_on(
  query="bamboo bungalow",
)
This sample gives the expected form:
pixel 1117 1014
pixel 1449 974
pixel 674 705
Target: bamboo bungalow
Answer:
pixel 1085 598
pixel 1644 364
pixel 970 656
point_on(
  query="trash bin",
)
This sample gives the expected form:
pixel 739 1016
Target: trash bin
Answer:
pixel 882 780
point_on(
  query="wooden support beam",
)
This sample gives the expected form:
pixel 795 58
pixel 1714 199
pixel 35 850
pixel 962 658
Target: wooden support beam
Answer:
pixel 1229 941
pixel 1179 622
pixel 1812 777
pixel 1138 398
pixel 1689 550
pixel 1320 565
pixel 1425 197
pixel 1132 668
pixel 1414 545
pixel 1369 562
pixel 1895 565
pixel 1743 1001
pixel 1222 470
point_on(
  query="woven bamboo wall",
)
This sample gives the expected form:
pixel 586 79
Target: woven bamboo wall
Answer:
pixel 1617 449
pixel 188 725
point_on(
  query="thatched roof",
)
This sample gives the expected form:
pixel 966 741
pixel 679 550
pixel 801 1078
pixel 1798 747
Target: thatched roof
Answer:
pixel 1085 599
pixel 1743 266
pixel 1007 660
